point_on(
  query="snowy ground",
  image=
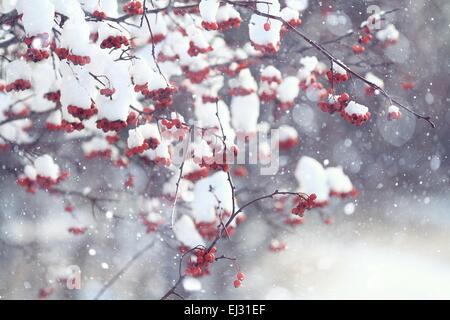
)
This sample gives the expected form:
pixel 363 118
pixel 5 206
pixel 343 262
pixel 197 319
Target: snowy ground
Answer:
pixel 354 259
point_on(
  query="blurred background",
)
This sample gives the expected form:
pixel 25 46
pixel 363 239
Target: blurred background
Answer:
pixel 391 242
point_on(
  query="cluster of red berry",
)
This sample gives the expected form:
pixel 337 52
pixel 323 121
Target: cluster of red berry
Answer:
pixel 288 144
pixel 209 98
pixel 210 25
pixel 266 48
pixel 43 39
pixel 81 113
pixel 173 123
pixel 334 103
pixel 114 42
pixel 356 119
pixel 303 204
pixel 79 60
pixel 22 113
pixel 199 262
pixel 99 154
pixel 53 96
pixel 106 125
pixel 240 91
pixel 353 193
pixel 44 182
pixel 162 97
pixel 234 68
pixel 18 85
pixel 156 38
pixel 64 53
pixel 136 150
pixel 337 77
pixel 194 50
pixel 107 92
pixel 36 55
pixel 358 49
pixel 228 24
pixel 100 15
pixel 293 22
pixel 77 230
pixel 71 126
pixel 240 276
pixel 209 230
pixel 165 58
pixel 365 36
pixel 28 184
pixel 394 115
pixel 293 221
pixel 47 183
pixel 196 76
pixel 285 105
pixel 197 174
pixel 271 79
pixel 133 8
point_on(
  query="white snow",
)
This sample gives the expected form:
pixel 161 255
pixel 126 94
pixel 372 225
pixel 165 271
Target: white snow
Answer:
pixel 185 232
pixel 46 167
pixel 192 284
pixel 207 192
pixel 38 17
pixel 299 5
pixel 374 79
pixel 245 80
pixel 356 108
pixel 287 132
pixel 245 112
pixel 288 90
pixel 208 9
pixel 135 138
pixel 18 69
pixel 338 180
pixel 393 109
pixel 390 33
pixel 312 178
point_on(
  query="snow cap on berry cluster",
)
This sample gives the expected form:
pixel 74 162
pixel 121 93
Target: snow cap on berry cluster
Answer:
pixel 208 10
pixel 259 33
pixel 135 138
pixel 288 90
pixel 338 181
pixel 356 108
pixel 312 178
pixel 245 112
pixel 207 192
pixel 390 33
pixel 46 167
pixel 299 5
pixel 186 232
pixel 18 70
pixel 38 17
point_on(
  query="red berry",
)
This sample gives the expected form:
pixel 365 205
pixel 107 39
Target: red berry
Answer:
pixel 357 49
pixel 210 257
pixel 312 196
pixel 240 276
pixel 237 283
pixel 267 26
